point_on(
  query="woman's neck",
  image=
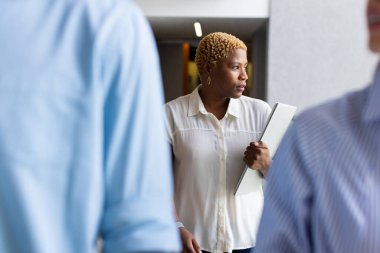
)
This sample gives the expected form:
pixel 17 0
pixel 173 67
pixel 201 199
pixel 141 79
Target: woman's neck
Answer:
pixel 213 104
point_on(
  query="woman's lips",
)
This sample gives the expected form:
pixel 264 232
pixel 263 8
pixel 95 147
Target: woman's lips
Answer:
pixel 373 15
pixel 241 88
pixel 373 21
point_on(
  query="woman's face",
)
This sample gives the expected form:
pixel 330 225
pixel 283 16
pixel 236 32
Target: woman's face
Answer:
pixel 229 76
pixel 373 21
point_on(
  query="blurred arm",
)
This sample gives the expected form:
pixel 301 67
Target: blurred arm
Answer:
pixel 138 214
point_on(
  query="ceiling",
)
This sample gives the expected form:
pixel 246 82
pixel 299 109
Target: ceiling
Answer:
pixel 168 29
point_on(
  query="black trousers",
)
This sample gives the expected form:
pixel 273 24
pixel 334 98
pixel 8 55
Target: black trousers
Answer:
pixel 249 250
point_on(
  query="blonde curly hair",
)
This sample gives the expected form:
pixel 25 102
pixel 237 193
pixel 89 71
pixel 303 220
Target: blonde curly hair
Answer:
pixel 216 46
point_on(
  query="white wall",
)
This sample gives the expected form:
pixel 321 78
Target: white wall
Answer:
pixel 317 50
pixel 205 8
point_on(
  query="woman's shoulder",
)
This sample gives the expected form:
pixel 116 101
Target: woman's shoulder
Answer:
pixel 178 103
pixel 179 100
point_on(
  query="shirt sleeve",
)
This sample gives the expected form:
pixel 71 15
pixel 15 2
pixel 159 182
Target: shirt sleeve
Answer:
pixel 138 214
pixel 168 123
pixel 285 224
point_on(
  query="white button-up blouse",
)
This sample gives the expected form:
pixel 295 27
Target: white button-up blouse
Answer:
pixel 208 161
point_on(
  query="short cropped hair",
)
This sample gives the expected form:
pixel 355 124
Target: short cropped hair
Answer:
pixel 216 46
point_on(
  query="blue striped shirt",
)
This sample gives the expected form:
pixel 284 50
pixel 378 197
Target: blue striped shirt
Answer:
pixel 323 191
pixel 83 151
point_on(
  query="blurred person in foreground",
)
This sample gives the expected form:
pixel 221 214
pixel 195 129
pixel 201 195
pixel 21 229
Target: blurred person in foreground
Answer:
pixel 209 131
pixel 323 191
pixel 82 137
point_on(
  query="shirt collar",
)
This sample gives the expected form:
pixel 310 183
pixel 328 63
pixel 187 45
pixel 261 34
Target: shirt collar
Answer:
pixel 372 105
pixel 234 107
pixel 196 105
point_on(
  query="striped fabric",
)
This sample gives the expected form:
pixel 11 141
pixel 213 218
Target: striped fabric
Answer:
pixel 323 190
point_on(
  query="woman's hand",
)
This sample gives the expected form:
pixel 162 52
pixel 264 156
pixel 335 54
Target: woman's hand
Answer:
pixel 189 244
pixel 257 157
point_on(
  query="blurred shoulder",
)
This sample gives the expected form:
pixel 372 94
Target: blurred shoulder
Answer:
pixel 337 113
pixel 330 124
pixel 103 6
pixel 102 13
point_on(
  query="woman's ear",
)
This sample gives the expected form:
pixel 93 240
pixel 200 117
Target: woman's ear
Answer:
pixel 204 72
pixel 207 69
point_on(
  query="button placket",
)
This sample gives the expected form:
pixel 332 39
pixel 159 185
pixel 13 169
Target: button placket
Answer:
pixel 222 186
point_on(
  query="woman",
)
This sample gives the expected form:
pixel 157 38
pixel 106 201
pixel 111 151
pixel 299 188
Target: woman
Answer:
pixel 209 130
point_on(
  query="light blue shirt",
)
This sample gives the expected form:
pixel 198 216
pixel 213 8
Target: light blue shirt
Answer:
pixel 323 191
pixel 83 151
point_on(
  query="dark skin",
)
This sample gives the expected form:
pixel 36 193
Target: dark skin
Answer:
pixel 218 108
pixel 257 157
pixel 228 80
pixel 189 244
